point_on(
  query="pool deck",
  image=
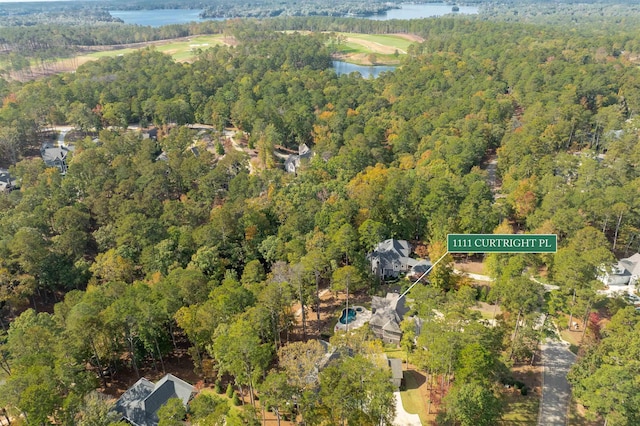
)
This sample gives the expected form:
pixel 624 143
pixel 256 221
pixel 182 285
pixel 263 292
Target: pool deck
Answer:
pixel 362 317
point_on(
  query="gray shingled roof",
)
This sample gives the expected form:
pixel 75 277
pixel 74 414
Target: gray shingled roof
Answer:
pixel 292 162
pixel 131 403
pixel 631 264
pixel 392 326
pixel 421 266
pixel 401 247
pixel 388 312
pixel 53 154
pixel 139 405
pixel 391 255
pixel 396 368
pixel 380 320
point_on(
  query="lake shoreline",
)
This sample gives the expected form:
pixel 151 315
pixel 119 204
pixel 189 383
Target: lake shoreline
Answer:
pixel 404 11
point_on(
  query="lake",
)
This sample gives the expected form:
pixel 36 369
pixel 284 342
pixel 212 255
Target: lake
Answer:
pixel 157 17
pixel 366 71
pixel 417 11
pixel 160 17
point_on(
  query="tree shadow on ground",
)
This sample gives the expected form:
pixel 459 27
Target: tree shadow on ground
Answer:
pixel 414 379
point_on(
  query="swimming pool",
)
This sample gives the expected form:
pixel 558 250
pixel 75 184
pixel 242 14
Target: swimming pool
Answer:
pixel 347 316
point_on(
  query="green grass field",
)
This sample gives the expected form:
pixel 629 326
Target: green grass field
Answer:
pixel 382 45
pixel 364 49
pixel 385 41
pixel 182 50
pixel 411 399
pixel 520 410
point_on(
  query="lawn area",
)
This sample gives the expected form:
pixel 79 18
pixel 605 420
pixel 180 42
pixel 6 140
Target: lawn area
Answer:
pixel 412 398
pixel 395 353
pixel 573 337
pixel 385 49
pixel 519 409
pixel 487 311
pixel 350 48
pixel 185 50
pixel 378 43
pixel 181 50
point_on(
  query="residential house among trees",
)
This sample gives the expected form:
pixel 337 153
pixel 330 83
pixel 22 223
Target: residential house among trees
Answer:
pixel 419 269
pixel 292 163
pixel 387 314
pixel 390 258
pixel 54 156
pixel 139 405
pixel 626 272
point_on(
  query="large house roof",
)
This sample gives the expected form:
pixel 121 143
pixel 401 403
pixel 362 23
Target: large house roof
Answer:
pixel 131 403
pixel 388 312
pixel 140 403
pixel 391 254
pixel 631 264
pixel 400 247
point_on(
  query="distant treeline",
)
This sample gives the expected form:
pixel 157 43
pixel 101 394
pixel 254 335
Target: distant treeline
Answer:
pixel 25 45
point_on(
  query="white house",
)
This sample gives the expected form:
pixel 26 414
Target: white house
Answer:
pixel 626 272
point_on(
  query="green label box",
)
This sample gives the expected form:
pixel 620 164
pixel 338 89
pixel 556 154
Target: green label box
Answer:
pixel 502 243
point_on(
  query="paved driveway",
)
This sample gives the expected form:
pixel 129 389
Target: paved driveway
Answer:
pixel 556 392
pixel 402 417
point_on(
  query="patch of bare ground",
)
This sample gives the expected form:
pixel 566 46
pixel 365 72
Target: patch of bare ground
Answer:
pixel 578 416
pixel 488 311
pixel 530 375
pixel 410 37
pixel 178 363
pixel 472 266
pixel 228 40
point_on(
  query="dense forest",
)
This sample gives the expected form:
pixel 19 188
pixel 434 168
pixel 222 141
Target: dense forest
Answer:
pixel 141 254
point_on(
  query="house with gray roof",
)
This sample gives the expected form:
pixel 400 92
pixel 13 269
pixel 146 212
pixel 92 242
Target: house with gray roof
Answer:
pixel 139 405
pixel 7 183
pixel 395 365
pixel 419 269
pixel 390 258
pixel 387 313
pixel 293 162
pixel 626 272
pixel 55 156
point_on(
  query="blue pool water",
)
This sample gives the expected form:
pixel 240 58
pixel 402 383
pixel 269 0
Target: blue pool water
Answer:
pixel 347 317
